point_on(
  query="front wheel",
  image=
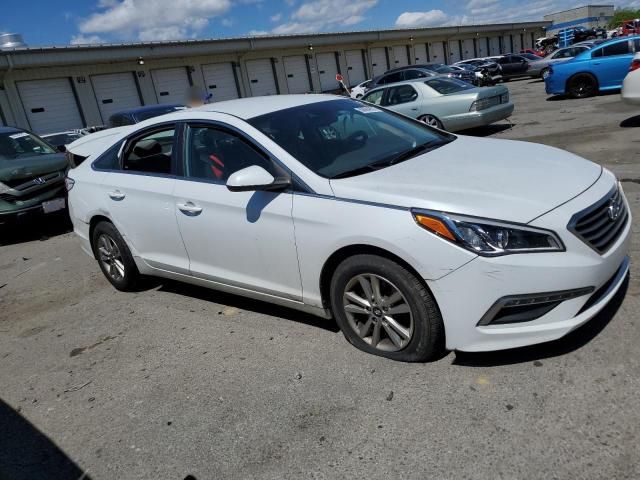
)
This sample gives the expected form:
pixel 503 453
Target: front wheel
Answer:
pixel 582 85
pixel 431 121
pixel 384 309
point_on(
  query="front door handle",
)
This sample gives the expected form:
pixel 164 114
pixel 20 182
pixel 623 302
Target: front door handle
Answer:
pixel 116 195
pixel 190 209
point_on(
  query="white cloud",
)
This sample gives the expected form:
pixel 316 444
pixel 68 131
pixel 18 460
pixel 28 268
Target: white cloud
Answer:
pixel 276 18
pixel 226 22
pixel 153 19
pixel 319 15
pixel 86 39
pixel 422 19
pixel 258 33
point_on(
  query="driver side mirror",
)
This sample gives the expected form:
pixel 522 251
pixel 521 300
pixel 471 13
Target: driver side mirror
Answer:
pixel 256 178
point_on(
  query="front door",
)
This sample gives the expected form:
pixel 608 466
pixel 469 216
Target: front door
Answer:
pixel 243 239
pixel 139 198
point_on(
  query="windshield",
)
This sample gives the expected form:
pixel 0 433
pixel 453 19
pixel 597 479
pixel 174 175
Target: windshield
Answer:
pixel 446 86
pixel 22 144
pixel 339 138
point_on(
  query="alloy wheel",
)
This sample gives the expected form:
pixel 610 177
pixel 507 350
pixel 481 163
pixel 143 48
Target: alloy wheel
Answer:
pixel 110 257
pixel 378 312
pixel 431 121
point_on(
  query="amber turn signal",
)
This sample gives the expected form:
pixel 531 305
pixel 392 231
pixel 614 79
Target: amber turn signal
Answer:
pixel 436 226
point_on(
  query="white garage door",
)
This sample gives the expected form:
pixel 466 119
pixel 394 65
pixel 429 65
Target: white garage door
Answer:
pixel 220 81
pixel 261 79
pixel 467 48
pixel 327 69
pixel 454 51
pixel 420 53
pixel 517 43
pixel 355 67
pixel 400 56
pixel 378 61
pixel 482 47
pixel 171 84
pixel 115 92
pixel 495 46
pixel 50 105
pixel 295 68
pixel 506 44
pixel 437 52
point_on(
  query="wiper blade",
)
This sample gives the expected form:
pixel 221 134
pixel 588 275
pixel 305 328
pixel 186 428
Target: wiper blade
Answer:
pixel 418 149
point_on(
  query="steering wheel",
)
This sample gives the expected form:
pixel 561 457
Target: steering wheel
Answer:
pixel 358 138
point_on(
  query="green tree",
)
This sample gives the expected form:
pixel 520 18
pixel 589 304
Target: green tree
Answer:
pixel 622 14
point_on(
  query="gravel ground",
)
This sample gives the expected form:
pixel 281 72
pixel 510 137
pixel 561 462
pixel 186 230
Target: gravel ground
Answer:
pixel 176 380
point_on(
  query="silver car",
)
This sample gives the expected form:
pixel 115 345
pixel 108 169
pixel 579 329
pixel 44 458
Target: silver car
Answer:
pixel 539 68
pixel 445 103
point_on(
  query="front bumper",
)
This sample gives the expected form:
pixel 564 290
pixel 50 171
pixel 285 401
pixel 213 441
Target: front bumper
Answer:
pixel 30 208
pixel 466 120
pixel 553 85
pixel 486 280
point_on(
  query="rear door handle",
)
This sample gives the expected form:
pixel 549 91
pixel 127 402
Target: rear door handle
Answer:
pixel 116 195
pixel 190 209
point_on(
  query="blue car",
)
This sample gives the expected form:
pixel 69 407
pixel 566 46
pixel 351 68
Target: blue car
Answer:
pixel 597 70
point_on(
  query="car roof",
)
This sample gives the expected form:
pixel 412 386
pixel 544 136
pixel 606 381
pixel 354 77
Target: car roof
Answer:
pixel 250 107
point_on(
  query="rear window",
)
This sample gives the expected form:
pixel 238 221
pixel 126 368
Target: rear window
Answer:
pixel 446 86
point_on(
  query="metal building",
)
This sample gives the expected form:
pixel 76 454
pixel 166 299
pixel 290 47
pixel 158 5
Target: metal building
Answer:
pixel 48 89
pixel 588 16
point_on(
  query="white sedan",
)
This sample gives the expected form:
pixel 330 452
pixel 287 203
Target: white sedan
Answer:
pixel 413 239
pixel 631 83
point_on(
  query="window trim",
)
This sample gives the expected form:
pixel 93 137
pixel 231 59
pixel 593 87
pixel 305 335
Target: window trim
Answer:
pixel 143 133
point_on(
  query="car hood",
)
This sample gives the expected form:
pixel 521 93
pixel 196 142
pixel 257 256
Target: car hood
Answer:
pixel 17 168
pixel 500 179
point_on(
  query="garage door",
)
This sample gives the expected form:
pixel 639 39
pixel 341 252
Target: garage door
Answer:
pixel 495 46
pixel 261 79
pixel 378 61
pixel 454 51
pixel 517 43
pixel 50 105
pixel 482 47
pixel 467 49
pixel 171 84
pixel 420 53
pixel 355 67
pixel 506 44
pixel 437 52
pixel 295 68
pixel 115 92
pixel 400 56
pixel 220 81
pixel 327 69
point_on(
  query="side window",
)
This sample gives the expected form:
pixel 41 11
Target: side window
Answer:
pixel 411 74
pixel 392 78
pixel 109 160
pixel 151 153
pixel 620 48
pixel 596 53
pixel 402 94
pixel 374 97
pixel 214 154
pixel 564 53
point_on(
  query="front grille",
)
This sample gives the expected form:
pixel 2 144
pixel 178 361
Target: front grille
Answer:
pixel 600 225
pixel 25 189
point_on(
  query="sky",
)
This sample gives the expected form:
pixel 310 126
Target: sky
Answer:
pixel 61 22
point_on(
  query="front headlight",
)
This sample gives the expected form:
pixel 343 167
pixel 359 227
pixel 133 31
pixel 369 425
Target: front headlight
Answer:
pixel 488 237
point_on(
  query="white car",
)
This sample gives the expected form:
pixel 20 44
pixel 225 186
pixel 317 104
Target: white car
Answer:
pixel 631 83
pixel 413 239
pixel 360 89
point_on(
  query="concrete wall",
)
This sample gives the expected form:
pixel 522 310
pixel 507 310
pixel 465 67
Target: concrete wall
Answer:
pixel 589 16
pixel 79 64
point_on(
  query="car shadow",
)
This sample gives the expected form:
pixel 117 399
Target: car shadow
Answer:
pixel 247 304
pixel 571 342
pixel 27 454
pixel 41 227
pixel 487 130
pixel 632 122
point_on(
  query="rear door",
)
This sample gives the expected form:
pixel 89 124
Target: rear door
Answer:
pixel 611 63
pixel 242 239
pixel 403 99
pixel 138 195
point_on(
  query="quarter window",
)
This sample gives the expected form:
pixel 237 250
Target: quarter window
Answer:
pixel 620 48
pixel 151 153
pixel 214 154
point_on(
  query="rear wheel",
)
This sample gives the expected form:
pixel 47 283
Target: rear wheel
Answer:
pixel 114 257
pixel 431 121
pixel 383 309
pixel 582 85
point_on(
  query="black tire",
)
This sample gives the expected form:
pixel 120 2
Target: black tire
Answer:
pixel 427 339
pixel 582 85
pixel 130 278
pixel 543 72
